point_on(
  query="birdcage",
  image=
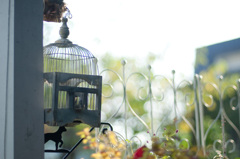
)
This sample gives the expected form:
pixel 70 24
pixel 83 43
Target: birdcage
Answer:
pixel 72 86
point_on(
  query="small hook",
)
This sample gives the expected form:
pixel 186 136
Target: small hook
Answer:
pixel 68 14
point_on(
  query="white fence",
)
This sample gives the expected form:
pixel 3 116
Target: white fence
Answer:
pixel 130 98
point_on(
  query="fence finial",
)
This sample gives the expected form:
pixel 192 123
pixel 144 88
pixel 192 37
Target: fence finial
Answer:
pixel 124 62
pixel 149 67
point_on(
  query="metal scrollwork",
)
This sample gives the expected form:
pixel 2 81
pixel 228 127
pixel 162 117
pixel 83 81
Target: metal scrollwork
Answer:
pixel 187 95
pixel 112 92
pixel 139 96
pixel 155 88
pixel 140 88
pixel 227 143
pixel 234 104
pixel 232 107
pixel 215 146
pixel 209 95
pixel 233 99
pixel 230 141
pixel 161 96
pixel 139 118
pixel 110 85
pixel 187 102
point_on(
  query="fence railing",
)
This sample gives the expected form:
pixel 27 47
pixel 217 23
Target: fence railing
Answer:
pixel 154 100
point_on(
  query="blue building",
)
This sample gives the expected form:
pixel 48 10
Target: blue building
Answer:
pixel 229 51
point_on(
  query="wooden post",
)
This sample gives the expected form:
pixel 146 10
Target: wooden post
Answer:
pixel 21 79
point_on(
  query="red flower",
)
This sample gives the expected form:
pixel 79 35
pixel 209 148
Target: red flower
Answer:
pixel 139 152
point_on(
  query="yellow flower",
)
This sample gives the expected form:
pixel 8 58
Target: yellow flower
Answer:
pixel 118 154
pixel 84 133
pixel 85 141
pixel 101 146
pixel 108 146
pixel 112 138
pixel 96 155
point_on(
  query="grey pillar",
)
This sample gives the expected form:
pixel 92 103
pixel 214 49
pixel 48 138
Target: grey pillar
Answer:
pixel 21 82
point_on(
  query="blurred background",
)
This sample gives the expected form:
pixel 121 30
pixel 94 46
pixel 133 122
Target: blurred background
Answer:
pixel 187 36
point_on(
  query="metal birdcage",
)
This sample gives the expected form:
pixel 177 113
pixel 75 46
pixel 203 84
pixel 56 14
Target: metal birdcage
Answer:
pixel 72 87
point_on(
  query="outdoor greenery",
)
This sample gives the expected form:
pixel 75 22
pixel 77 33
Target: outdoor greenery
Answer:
pixel 109 147
pixel 174 138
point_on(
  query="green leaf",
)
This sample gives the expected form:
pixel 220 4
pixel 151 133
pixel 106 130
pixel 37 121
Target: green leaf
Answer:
pixel 170 144
pixel 169 130
pixel 166 157
pixel 184 145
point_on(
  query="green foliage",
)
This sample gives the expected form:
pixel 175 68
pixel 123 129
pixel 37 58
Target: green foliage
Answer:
pixel 171 146
pixel 201 56
pixel 229 101
pixel 184 145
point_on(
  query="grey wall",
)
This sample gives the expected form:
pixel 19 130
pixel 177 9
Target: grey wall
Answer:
pixel 21 86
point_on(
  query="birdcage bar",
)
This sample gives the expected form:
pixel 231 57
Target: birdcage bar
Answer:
pixel 74 61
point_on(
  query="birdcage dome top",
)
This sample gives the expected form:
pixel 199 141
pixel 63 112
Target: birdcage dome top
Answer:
pixel 65 46
pixel 64 56
pixel 67 49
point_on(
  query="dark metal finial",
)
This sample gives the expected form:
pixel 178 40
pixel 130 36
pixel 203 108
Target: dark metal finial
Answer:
pixel 64 32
